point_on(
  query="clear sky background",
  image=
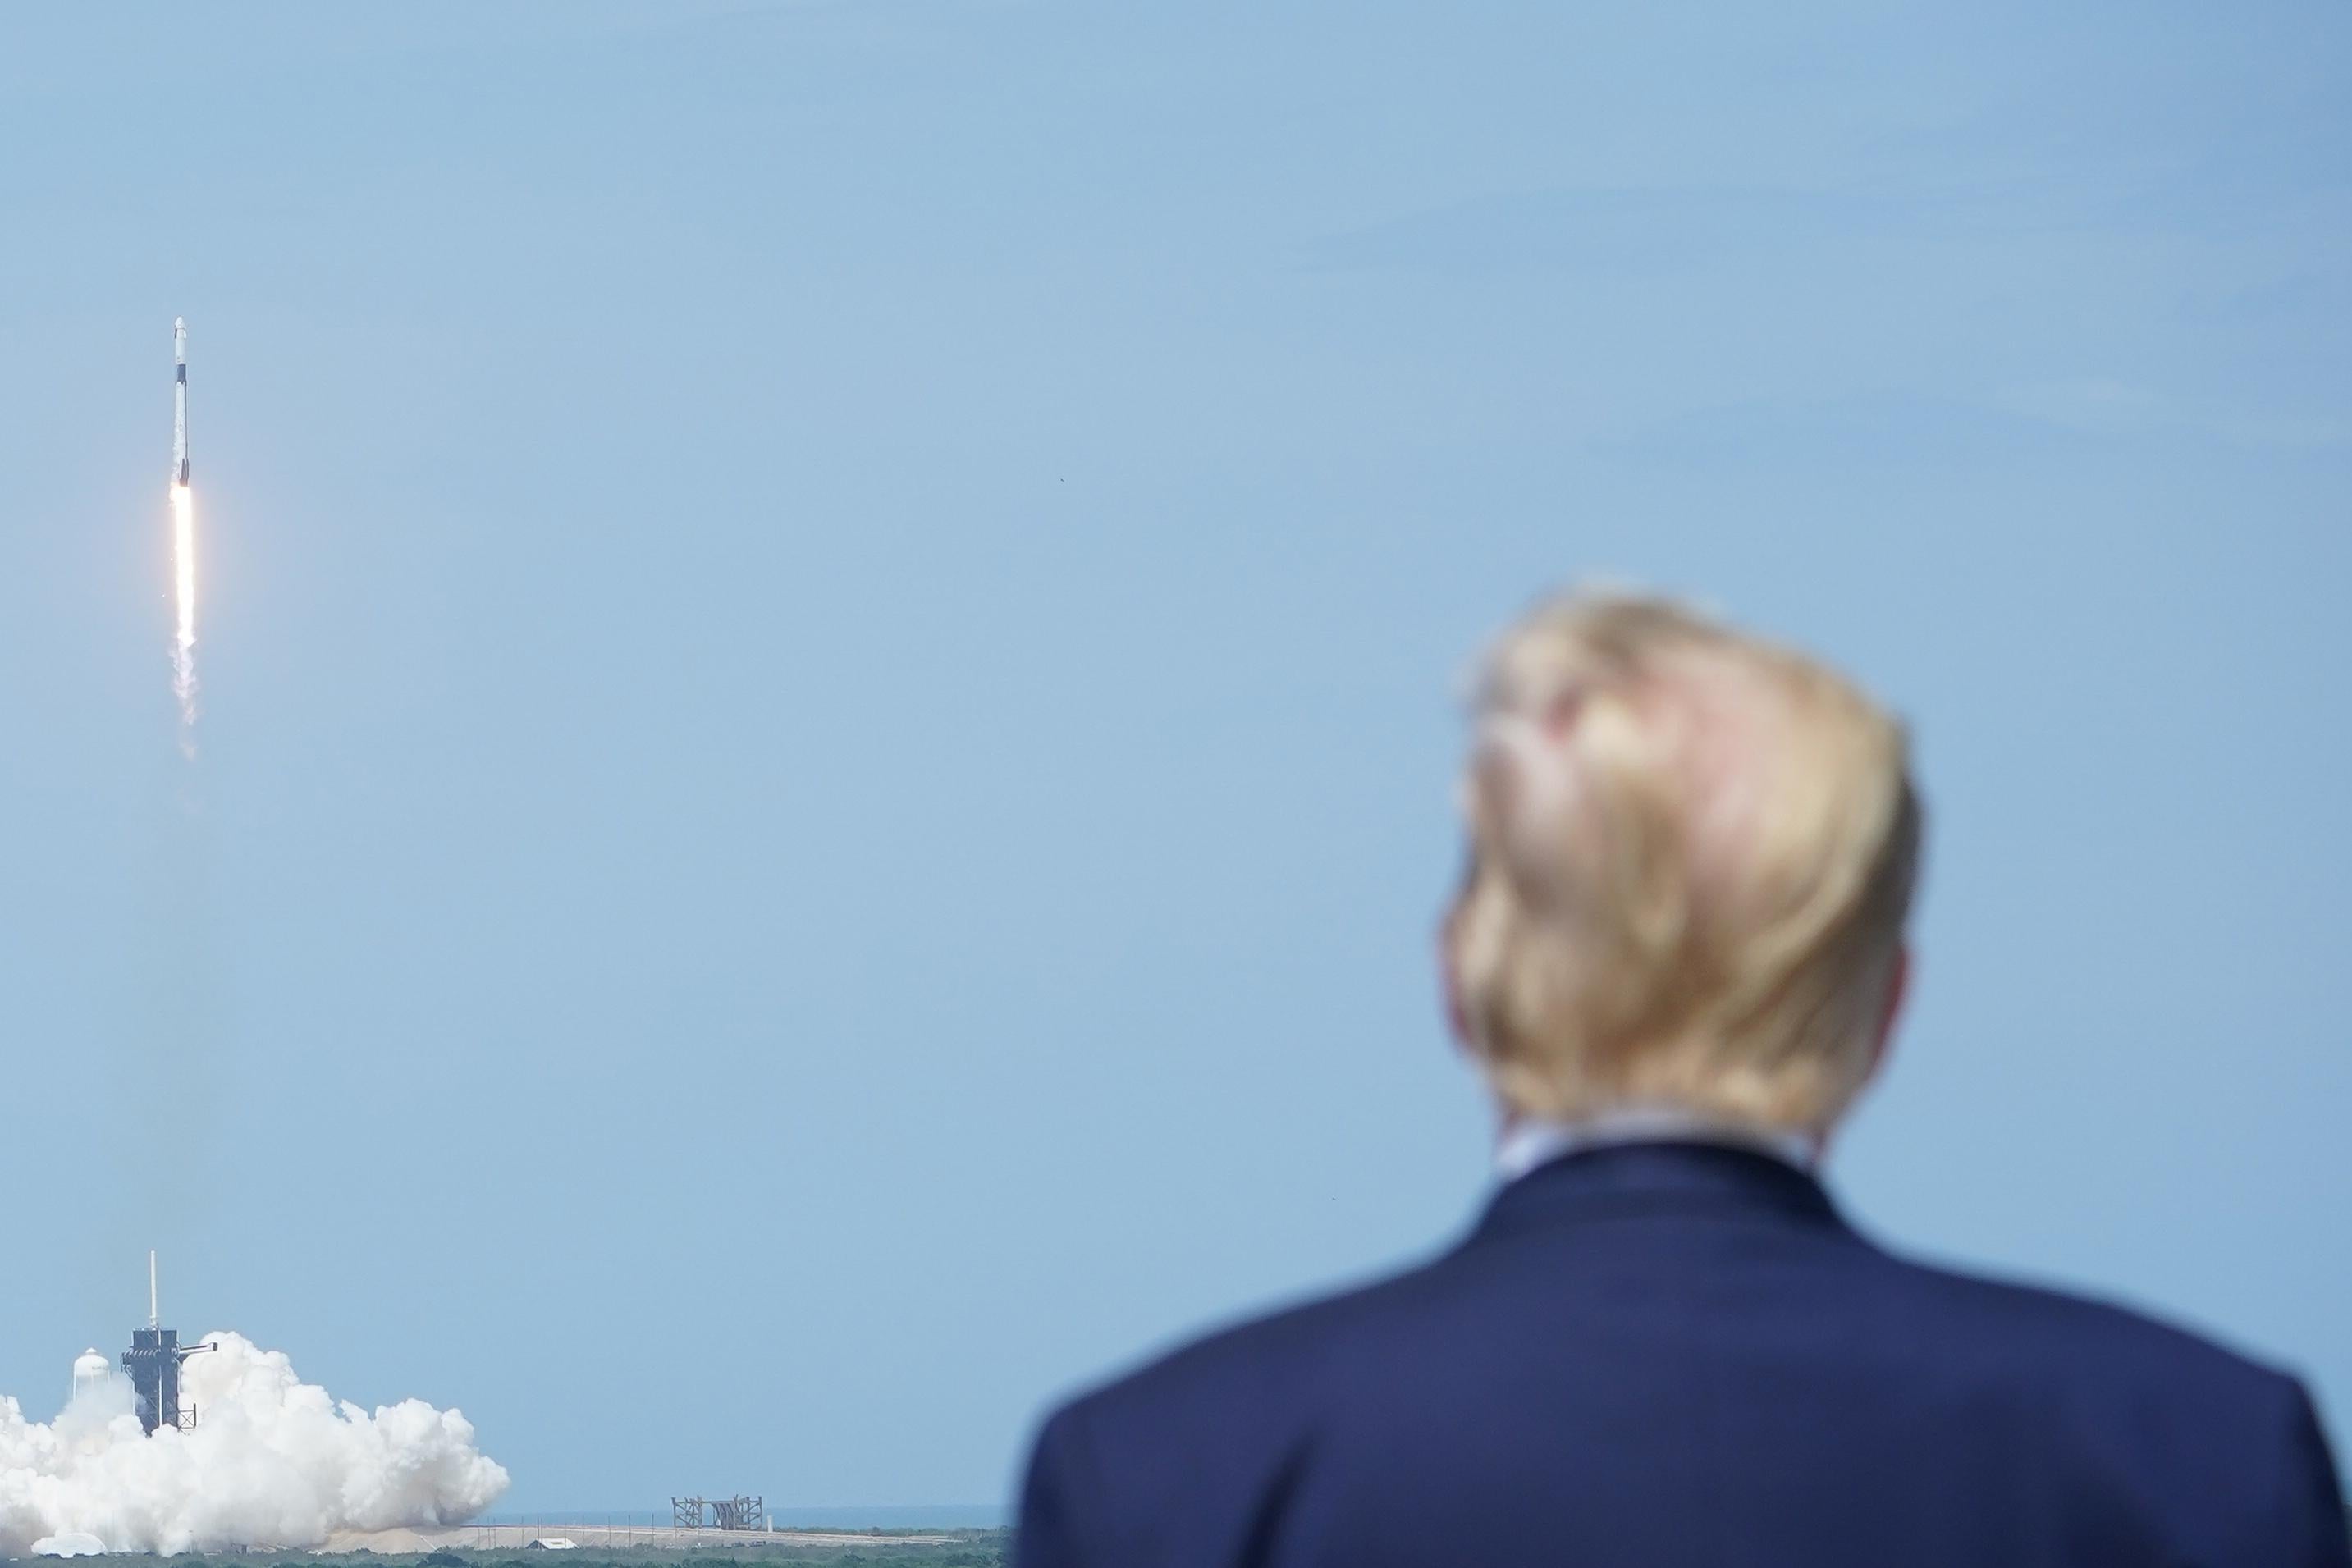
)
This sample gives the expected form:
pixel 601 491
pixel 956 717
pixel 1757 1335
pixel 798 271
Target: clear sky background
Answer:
pixel 831 634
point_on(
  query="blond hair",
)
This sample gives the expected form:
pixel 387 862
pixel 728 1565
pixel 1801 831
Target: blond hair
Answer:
pixel 1692 854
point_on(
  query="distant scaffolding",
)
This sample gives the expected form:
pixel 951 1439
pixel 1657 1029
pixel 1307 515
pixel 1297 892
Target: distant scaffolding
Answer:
pixel 718 1512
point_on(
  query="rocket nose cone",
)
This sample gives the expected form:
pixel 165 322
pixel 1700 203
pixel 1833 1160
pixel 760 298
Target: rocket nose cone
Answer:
pixel 180 324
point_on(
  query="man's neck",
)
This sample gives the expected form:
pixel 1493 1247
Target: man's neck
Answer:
pixel 1523 1143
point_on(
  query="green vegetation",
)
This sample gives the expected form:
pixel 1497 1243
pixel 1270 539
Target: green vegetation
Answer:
pixel 962 1549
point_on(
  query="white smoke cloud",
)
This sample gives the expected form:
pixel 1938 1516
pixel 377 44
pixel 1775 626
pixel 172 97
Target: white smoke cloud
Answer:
pixel 272 1461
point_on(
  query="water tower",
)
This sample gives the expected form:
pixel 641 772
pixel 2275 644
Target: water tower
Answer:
pixel 91 1372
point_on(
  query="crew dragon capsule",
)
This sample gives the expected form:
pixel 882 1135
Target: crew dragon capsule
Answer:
pixel 179 401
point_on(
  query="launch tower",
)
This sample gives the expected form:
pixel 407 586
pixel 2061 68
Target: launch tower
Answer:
pixel 153 1362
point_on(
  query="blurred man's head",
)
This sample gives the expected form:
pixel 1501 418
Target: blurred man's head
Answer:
pixel 1692 855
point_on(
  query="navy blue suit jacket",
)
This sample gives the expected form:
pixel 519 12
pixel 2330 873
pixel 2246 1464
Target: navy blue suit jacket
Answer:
pixel 1670 1354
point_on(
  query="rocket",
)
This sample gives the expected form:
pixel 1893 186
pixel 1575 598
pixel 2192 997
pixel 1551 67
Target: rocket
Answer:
pixel 179 401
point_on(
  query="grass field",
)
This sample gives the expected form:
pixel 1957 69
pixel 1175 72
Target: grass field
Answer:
pixel 934 1549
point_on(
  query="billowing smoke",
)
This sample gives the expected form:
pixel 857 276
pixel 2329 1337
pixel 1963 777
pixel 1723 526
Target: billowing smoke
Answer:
pixel 271 1462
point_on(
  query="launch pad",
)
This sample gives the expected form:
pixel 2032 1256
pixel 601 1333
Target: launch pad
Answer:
pixel 738 1512
pixel 153 1362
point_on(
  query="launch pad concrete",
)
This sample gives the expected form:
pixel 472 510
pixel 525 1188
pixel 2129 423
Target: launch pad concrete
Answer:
pixel 419 1539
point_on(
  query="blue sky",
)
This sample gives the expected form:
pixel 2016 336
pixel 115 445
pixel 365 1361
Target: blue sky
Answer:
pixel 830 629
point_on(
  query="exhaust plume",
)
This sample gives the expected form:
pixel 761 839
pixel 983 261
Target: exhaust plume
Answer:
pixel 184 546
pixel 271 1462
pixel 183 640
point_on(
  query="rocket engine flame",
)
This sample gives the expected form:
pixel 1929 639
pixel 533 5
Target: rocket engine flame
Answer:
pixel 184 640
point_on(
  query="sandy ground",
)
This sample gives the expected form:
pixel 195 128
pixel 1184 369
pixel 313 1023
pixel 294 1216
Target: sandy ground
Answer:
pixel 589 1537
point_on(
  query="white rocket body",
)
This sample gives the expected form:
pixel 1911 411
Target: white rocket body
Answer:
pixel 179 400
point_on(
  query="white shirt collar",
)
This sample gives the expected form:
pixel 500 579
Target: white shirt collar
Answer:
pixel 1528 1142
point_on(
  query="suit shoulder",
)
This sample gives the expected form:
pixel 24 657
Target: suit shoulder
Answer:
pixel 2065 1338
pixel 2170 1424
pixel 1259 1360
